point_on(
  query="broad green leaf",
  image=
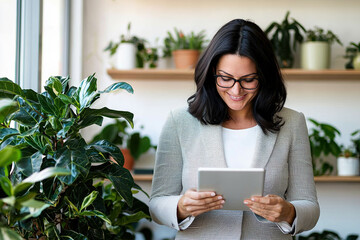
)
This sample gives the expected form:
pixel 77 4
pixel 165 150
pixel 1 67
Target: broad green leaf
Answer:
pixel 22 187
pixel 66 124
pixel 47 173
pixel 8 234
pixel 8 155
pixel 90 120
pixel 122 180
pixel 76 162
pixel 7 107
pixel 30 162
pixel 34 208
pixel 30 132
pixel 87 92
pixel 133 218
pixel 47 105
pixel 119 85
pixel 9 88
pixel 97 214
pixel 6 186
pixel 26 116
pixel 128 116
pixel 89 199
pixel 72 235
pixel 66 99
pixel 7 132
pixel 9 200
pixel 31 95
pixel 106 147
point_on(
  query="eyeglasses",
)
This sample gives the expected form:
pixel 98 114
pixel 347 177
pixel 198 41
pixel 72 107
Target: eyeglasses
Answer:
pixel 247 82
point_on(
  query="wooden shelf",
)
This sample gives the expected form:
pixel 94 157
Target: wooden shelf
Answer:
pixel 187 74
pixel 337 179
pixel 149 177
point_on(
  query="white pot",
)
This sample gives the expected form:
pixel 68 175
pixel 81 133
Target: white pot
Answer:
pixel 126 56
pixel 315 55
pixel 348 166
pixel 356 62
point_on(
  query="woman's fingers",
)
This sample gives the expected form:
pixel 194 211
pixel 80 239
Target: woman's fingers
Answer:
pixel 193 208
pixel 198 212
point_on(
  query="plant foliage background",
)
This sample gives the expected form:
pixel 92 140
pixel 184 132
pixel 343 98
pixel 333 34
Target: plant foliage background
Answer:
pixel 53 184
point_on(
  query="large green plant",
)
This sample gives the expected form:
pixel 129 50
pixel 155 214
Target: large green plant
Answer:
pixel 48 135
pixel 282 39
pixel 322 142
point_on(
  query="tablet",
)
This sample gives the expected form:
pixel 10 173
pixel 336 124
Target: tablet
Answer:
pixel 235 185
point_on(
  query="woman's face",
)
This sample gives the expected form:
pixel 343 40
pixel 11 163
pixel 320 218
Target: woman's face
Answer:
pixel 237 98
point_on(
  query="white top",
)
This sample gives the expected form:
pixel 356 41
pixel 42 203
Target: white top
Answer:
pixel 239 146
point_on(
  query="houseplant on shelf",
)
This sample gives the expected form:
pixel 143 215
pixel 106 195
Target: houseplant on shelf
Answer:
pixel 348 161
pixel 184 48
pixel 132 144
pixel 48 136
pixel 128 51
pixel 322 143
pixel 353 52
pixel 283 42
pixel 315 51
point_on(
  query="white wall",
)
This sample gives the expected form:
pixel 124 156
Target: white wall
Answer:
pixel 334 102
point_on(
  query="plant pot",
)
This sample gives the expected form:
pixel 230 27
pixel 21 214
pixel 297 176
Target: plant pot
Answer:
pixel 186 58
pixel 356 62
pixel 126 56
pixel 315 55
pixel 128 159
pixel 348 166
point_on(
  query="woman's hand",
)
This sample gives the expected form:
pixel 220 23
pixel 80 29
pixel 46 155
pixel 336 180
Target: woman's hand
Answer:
pixel 194 203
pixel 272 207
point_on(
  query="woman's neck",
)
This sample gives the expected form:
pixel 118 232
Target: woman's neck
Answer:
pixel 240 120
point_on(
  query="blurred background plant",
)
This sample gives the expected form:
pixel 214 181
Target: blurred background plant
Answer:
pixel 322 142
pixel 282 40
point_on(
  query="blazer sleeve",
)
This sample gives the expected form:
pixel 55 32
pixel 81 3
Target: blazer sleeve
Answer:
pixel 167 181
pixel 301 190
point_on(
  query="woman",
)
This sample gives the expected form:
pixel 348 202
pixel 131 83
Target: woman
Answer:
pixel 236 119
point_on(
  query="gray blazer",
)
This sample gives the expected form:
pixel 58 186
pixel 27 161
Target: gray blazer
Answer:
pixel 185 145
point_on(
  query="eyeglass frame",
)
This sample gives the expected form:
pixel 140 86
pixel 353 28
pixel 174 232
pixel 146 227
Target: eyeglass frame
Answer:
pixel 239 80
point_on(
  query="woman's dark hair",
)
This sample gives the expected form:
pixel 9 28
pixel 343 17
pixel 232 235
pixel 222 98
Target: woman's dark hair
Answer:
pixel 243 38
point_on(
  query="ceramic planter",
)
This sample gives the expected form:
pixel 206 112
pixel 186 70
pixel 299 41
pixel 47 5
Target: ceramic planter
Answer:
pixel 126 56
pixel 315 55
pixel 348 166
pixel 186 58
pixel 356 62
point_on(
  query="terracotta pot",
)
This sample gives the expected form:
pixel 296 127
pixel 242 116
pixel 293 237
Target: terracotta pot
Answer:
pixel 128 159
pixel 186 58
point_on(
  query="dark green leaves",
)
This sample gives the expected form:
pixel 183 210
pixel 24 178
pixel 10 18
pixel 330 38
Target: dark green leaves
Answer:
pixel 75 161
pixel 128 116
pixel 107 148
pixel 8 155
pixel 8 89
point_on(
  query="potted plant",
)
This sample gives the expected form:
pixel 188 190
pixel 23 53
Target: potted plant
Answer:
pixel 315 51
pixel 131 143
pixel 282 39
pixel 128 51
pixel 348 162
pixel 353 53
pixel 184 48
pixel 43 204
pixel 322 142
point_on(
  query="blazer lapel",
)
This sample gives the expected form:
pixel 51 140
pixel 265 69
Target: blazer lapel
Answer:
pixel 211 136
pixel 264 148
